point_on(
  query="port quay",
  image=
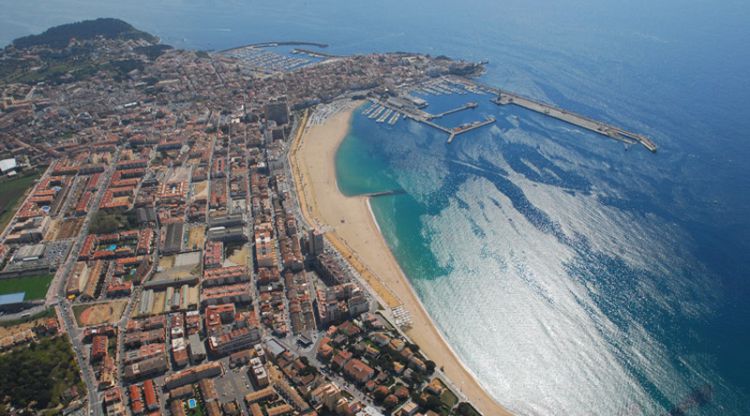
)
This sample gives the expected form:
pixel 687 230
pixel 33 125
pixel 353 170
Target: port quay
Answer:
pixel 410 110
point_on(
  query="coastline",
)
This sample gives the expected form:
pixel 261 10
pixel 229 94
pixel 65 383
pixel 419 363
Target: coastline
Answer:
pixel 352 229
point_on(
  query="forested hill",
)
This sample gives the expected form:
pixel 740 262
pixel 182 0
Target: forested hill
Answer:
pixel 59 36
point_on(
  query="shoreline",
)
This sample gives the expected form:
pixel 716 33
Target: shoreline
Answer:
pixel 352 229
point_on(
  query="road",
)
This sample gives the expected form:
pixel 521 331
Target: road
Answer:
pixel 56 296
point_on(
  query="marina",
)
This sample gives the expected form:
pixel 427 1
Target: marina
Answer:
pixel 264 59
pixel 376 112
pixel 380 111
pixel 443 86
pixel 394 118
pixel 406 105
pixel 368 109
pixel 385 115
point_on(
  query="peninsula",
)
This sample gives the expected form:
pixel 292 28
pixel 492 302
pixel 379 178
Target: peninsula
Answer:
pixel 187 243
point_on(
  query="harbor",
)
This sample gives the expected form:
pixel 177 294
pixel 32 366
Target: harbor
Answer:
pixel 381 111
pixel 275 57
pixel 274 44
pixel 408 106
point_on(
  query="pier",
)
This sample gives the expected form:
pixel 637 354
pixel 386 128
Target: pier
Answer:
pixel 426 118
pixel 465 128
pixel 314 54
pixel 445 130
pixel 505 98
pixel 384 193
pixel 274 44
pixel 467 106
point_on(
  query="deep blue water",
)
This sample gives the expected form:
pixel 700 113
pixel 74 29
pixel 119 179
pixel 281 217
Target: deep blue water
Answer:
pixel 572 276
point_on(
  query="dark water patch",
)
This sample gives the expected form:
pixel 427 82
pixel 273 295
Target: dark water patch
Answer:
pixel 496 202
pixel 558 99
pixel 537 217
pixel 635 202
pixel 476 229
pixel 518 155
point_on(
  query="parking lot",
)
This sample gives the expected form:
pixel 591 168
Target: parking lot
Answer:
pixel 234 384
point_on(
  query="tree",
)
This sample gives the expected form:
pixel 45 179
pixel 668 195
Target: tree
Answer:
pixel 380 394
pixel 430 366
pixel 433 403
pixel 104 223
pixel 39 374
pixel 465 409
pixel 59 36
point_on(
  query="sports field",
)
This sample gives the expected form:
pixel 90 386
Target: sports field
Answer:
pixel 11 192
pixel 35 286
pixel 99 313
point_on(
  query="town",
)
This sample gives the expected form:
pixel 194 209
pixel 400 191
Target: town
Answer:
pixel 165 232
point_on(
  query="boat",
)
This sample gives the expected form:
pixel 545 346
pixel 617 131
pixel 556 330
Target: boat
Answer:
pixel 394 119
pixel 385 115
pixel 377 112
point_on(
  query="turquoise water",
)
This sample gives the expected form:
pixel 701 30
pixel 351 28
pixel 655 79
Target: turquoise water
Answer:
pixel 571 275
pixel 536 245
pixel 351 156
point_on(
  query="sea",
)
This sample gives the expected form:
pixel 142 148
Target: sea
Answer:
pixel 573 274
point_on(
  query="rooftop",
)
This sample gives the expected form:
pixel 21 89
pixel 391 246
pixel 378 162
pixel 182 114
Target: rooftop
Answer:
pixel 7 164
pixel 12 298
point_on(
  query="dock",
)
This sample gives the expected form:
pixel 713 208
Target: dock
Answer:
pixel 274 44
pixel 467 106
pixel 465 128
pixel 426 118
pixel 435 125
pixel 506 98
pixel 314 54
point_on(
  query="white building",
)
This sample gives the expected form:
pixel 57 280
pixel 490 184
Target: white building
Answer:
pixel 8 166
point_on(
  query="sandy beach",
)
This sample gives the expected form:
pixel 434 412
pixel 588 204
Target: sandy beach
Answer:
pixel 350 227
